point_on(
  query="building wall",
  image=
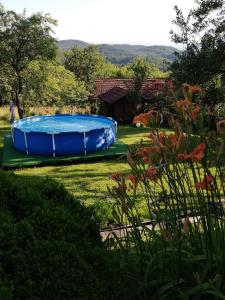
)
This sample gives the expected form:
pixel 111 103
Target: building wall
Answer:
pixel 122 110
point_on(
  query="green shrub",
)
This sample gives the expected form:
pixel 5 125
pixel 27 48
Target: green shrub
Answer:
pixel 50 247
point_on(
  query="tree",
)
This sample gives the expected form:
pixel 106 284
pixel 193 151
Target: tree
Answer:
pixel 110 70
pixel 48 83
pixel 141 69
pixel 203 35
pixel 85 63
pixel 23 39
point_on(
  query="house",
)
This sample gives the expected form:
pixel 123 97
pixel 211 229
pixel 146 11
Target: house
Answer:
pixel 116 98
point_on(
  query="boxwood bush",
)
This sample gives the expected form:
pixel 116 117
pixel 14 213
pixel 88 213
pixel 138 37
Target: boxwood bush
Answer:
pixel 50 247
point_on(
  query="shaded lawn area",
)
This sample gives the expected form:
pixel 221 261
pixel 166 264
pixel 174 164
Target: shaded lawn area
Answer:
pixel 4 129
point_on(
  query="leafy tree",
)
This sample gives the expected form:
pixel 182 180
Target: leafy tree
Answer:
pixel 48 83
pixel 6 83
pixel 23 39
pixel 141 69
pixel 124 72
pixel 203 35
pixel 110 70
pixel 85 64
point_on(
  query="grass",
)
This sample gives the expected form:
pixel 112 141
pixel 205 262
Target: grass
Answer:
pixel 87 181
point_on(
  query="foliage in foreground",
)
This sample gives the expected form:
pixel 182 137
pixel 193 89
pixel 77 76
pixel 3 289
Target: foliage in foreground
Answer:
pixel 50 246
pixel 180 254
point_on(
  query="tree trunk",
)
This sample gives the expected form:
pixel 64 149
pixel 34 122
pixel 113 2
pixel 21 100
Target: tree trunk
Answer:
pixel 17 99
pixel 19 108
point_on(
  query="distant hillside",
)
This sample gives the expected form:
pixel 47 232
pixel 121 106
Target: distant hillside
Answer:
pixel 122 54
pixel 68 44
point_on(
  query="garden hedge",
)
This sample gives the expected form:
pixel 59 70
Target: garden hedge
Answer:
pixel 50 247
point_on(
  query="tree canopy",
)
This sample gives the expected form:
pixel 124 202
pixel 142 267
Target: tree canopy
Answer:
pixel 48 83
pixel 23 39
pixel 203 35
pixel 85 64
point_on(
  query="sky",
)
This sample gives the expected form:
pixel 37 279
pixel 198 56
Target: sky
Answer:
pixel 145 22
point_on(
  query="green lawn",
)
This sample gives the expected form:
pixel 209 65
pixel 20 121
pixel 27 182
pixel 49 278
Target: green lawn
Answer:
pixel 87 181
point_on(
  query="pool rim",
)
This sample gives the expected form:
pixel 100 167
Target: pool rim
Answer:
pixel 114 122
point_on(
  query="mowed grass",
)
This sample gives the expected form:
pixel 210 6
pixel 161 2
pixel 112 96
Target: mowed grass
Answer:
pixel 4 127
pixel 88 181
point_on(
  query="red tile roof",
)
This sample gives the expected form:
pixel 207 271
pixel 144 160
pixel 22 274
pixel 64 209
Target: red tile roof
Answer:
pixel 111 90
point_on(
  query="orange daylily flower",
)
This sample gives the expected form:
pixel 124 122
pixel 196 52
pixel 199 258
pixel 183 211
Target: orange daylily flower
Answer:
pixel 158 141
pixel 190 110
pixel 195 112
pixel 196 155
pixel 205 183
pixel 195 89
pixel 152 174
pixel 142 118
pixel 117 176
pixel 183 104
pixel 145 118
pixel 149 150
pixel 176 141
pixel 134 180
pixel 192 89
pixel 146 159
pixel 146 151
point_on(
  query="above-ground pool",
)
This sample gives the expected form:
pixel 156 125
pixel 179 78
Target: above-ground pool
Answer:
pixel 54 135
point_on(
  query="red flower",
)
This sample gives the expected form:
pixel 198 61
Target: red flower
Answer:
pixel 184 105
pixel 152 174
pixel 133 179
pixel 176 140
pixel 196 155
pixel 142 118
pixel 145 153
pixel 184 156
pixel 192 89
pixel 145 118
pixel 195 112
pixel 205 183
pixel 117 176
pixel 195 89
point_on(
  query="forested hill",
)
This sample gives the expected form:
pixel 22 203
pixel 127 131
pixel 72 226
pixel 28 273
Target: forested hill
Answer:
pixel 122 54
